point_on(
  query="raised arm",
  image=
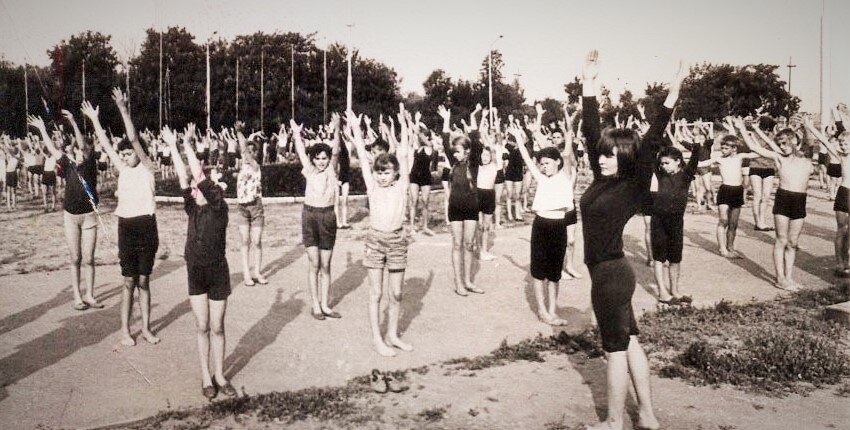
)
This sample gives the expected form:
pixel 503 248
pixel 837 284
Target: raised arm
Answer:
pixel 38 124
pixel 170 139
pixel 824 140
pixel 447 141
pixel 92 113
pixel 519 134
pixel 299 143
pixel 590 110
pixel 752 144
pixel 78 135
pixel 403 149
pixel 121 101
pixel 194 164
pixel 355 135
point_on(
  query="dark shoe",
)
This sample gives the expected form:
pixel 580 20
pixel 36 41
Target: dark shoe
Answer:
pixel 475 290
pixel 318 315
pixel 227 389
pixel 394 385
pixel 209 391
pixel 377 382
pixel 332 314
pixel 462 293
pixel 95 305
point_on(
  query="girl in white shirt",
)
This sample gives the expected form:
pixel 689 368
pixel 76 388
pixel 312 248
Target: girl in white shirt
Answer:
pixel 552 201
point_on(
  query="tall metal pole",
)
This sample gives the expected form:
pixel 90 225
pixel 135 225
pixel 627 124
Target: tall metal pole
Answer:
pixel 237 88
pixel 208 85
pixel 325 91
pixel 490 77
pixel 127 85
pixel 292 82
pixel 349 57
pixel 823 7
pixel 85 128
pixel 790 66
pixel 160 79
pixel 26 94
pixel 262 92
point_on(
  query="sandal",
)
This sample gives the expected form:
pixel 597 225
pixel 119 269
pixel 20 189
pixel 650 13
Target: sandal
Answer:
pixel 318 315
pixel 227 389
pixel 209 391
pixel 249 283
pixel 462 293
pixel 394 385
pixel 332 314
pixel 95 305
pixel 260 280
pixel 475 290
pixel 81 306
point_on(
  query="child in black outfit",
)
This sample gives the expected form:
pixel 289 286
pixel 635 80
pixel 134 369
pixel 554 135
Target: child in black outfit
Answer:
pixel 669 200
pixel 206 264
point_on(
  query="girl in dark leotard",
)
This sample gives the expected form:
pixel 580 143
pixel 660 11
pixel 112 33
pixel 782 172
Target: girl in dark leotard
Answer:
pixel 463 153
pixel 622 169
pixel 420 179
pixel 513 181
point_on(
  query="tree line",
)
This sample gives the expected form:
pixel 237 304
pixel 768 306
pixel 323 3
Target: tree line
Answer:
pixel 710 92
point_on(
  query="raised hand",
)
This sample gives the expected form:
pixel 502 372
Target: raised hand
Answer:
pixel 169 136
pixel 120 99
pixel 36 122
pixel 444 113
pixel 539 109
pixel 90 111
pixel 641 110
pixel 478 108
pixel 296 129
pixel 590 70
pixel 68 115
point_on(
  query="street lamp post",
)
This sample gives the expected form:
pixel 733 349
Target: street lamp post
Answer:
pixel 490 76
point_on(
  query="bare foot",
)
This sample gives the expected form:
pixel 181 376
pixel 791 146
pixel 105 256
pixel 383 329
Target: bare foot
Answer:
pixel 735 254
pixel 153 340
pixel 261 280
pixel 469 286
pixel 127 340
pixel 486 256
pixel 383 349
pixel 427 232
pixel 647 421
pixel 573 272
pixel 396 342
pixel 606 425
pixel 787 285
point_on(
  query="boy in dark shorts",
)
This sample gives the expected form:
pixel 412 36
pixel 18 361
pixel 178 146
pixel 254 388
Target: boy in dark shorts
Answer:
pixel 730 196
pixel 206 264
pixel 789 208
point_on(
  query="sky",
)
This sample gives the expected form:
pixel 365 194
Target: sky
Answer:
pixel 544 41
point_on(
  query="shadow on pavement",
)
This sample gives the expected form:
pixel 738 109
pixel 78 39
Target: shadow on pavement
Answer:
pixel 413 294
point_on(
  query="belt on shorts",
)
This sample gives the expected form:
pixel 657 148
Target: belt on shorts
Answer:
pixel 309 208
pixel 253 202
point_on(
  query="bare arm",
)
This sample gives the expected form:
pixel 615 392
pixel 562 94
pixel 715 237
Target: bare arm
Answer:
pixel 752 144
pixel 92 113
pixel 78 135
pixel 519 135
pixel 38 123
pixel 299 143
pixel 121 101
pixel 170 139
pixel 355 135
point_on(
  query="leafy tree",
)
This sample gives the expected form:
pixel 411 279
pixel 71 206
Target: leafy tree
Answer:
pixel 573 90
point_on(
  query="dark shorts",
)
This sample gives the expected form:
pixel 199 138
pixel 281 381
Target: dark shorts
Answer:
pixel 730 195
pixel 762 172
pixel 12 179
pixel 423 179
pixel 789 204
pixel 251 214
pixel 35 170
pixel 138 241
pixel 703 170
pixel 500 176
pixel 612 287
pixel 463 209
pixel 486 201
pixel 841 200
pixel 823 158
pixel 666 231
pixel 49 179
pixel 446 176
pixel 212 280
pixel 513 175
pixel 833 170
pixel 548 245
pixel 165 160
pixel 318 227
pixel 101 165
pixel 646 207
pixel 572 217
pixel 203 156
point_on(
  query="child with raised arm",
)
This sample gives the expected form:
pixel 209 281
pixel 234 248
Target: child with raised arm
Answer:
pixel 488 171
pixel 318 221
pixel 138 238
pixel 387 181
pixel 837 148
pixel 250 213
pixel 463 152
pixel 552 201
pixel 789 207
pixel 730 196
pixel 670 186
pixel 13 161
pixel 206 263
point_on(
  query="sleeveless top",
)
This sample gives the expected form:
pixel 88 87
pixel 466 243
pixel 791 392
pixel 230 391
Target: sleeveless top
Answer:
pixel 553 193
pixel 135 192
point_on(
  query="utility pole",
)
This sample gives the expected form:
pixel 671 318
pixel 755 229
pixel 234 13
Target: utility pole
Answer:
pixel 237 89
pixel 292 82
pixel 348 87
pixel 26 95
pixel 325 91
pixel 85 128
pixel 823 9
pixel 262 93
pixel 790 66
pixel 160 79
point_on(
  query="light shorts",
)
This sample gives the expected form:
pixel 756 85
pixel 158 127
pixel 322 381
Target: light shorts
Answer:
pixel 386 249
pixel 83 221
pixel 251 214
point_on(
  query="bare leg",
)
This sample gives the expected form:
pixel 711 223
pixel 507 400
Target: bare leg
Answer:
pixel 313 278
pixel 413 197
pixel 795 227
pixel 325 285
pixel 499 189
pixel 782 223
pixel 127 310
pixel 245 250
pixel 257 243
pixel 376 286
pixel 569 266
pixel 216 315
pixel 673 272
pixel 200 309
pixel 343 203
pixel 73 236
pixel 757 197
pixel 457 255
pixel 841 244
pixel 639 371
pixel 145 304
pixel 767 187
pixel 659 269
pixel 396 280
pixel 722 227
pixel 469 229
pixel 88 242
pixel 732 231
pixel 486 230
pixel 542 310
pixel 647 237
pixel 425 195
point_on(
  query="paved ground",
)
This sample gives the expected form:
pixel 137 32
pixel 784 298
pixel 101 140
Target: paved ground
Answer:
pixel 63 368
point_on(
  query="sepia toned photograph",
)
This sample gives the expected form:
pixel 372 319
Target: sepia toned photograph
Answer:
pixel 376 214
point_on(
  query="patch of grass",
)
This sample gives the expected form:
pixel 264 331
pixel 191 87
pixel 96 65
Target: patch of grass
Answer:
pixel 434 414
pixel 531 350
pixel 772 347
